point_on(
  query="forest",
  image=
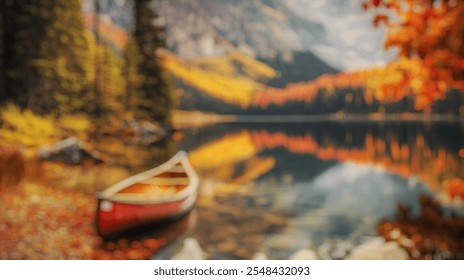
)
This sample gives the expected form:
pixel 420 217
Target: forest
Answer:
pixel 53 66
pixel 83 67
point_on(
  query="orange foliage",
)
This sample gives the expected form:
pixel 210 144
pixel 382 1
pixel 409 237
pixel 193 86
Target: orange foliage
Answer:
pixel 430 38
pixel 39 222
pixel 430 235
pixel 309 90
pixel 109 31
pixel 418 159
pixel 12 166
pixel 455 187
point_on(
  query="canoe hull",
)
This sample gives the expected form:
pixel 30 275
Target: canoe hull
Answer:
pixel 162 193
pixel 117 217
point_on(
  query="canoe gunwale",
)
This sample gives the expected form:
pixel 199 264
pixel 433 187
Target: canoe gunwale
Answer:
pixel 111 193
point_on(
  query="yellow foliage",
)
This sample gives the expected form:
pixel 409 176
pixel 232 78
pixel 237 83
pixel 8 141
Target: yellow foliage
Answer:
pixel 26 128
pixel 428 35
pixel 224 173
pixel 252 67
pixel 230 149
pixel 233 78
pixel 255 168
pixel 77 123
pixel 407 76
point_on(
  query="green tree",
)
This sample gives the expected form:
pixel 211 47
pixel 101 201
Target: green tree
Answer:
pixel 156 98
pixel 132 59
pixel 2 50
pixel 63 52
pixel 21 30
pixel 45 54
pixel 111 81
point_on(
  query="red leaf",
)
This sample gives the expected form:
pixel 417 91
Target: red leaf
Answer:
pixel 365 6
pixel 380 19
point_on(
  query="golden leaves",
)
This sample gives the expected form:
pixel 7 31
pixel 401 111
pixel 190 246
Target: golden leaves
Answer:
pixel 430 40
pixel 233 78
pixel 25 128
pixel 230 149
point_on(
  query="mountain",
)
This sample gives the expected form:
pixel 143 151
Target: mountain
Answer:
pixel 260 28
pixel 338 32
pixel 118 12
pixel 352 40
pixel 233 78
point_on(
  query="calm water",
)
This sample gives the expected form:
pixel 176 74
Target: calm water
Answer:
pixel 327 187
pixel 322 186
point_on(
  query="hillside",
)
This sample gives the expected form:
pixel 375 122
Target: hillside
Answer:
pixel 232 78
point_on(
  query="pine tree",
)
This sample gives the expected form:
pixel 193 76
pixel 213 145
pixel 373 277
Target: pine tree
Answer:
pixel 45 54
pixel 111 81
pixel 64 49
pixel 2 51
pixel 132 59
pixel 156 100
pixel 21 35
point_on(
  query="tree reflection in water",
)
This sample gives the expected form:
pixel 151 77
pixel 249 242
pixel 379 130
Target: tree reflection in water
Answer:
pixel 11 167
pixel 437 233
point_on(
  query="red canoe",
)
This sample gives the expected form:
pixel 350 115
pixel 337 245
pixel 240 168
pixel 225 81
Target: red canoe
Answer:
pixel 159 194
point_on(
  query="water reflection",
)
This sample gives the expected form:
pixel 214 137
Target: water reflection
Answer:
pixel 124 160
pixel 429 152
pixel 329 190
pixel 330 184
pixel 338 209
pixel 143 243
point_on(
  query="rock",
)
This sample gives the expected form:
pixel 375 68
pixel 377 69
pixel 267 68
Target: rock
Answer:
pixel 335 249
pixel 144 132
pixel 260 256
pixel 191 250
pixel 378 249
pixel 70 150
pixel 304 254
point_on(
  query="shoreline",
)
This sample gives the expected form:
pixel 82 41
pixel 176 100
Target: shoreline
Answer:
pixel 196 118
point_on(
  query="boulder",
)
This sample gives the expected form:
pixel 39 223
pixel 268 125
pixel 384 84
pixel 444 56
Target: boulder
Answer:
pixel 144 132
pixel 70 151
pixel 378 249
pixel 191 250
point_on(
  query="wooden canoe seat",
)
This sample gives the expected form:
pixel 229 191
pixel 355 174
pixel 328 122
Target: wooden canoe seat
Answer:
pixel 166 181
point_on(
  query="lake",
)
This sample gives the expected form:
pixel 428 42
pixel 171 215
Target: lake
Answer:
pixel 337 189
pixel 327 186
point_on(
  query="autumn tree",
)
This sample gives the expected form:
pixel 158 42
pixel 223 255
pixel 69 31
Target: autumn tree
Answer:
pixel 155 100
pixel 429 37
pixel 45 53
